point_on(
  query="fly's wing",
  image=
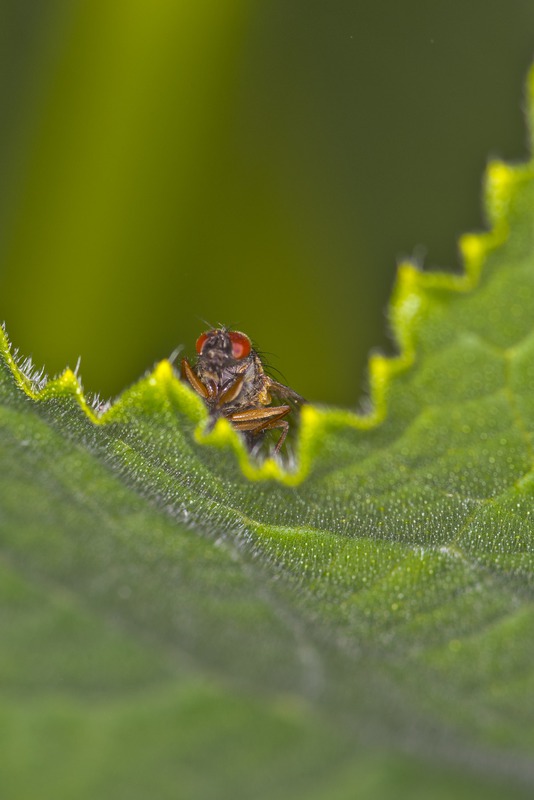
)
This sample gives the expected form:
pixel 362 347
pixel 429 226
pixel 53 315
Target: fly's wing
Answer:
pixel 284 392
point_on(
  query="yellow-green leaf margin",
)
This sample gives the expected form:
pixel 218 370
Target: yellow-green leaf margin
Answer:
pixel 408 309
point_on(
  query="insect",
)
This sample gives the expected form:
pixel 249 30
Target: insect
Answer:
pixel 230 378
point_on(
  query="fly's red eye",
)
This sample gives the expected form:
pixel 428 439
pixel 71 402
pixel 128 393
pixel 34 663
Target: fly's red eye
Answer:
pixel 240 344
pixel 200 342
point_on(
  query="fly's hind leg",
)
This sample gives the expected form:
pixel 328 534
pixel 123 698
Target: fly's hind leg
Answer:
pixel 282 423
pixel 257 420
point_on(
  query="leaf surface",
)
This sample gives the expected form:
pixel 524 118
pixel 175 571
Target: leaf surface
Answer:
pixel 167 600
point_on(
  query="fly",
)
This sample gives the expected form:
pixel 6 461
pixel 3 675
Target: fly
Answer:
pixel 229 376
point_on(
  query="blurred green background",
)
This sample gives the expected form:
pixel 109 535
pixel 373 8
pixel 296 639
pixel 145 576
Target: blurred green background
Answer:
pixel 263 164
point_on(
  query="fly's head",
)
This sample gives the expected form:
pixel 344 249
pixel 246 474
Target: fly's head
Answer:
pixel 221 353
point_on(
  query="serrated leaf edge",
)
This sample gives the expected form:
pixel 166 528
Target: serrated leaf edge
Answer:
pixel 407 311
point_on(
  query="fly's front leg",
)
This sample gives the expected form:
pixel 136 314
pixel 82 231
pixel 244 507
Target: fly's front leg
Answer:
pixel 188 374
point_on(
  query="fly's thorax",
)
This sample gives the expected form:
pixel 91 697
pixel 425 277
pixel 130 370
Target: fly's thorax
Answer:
pixel 253 392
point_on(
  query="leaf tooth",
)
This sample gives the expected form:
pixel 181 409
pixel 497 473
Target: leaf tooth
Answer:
pixel 162 374
pixel 473 248
pixel 499 183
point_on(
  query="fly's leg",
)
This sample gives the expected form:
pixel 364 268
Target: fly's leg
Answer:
pixel 257 420
pixel 284 425
pixel 230 392
pixel 206 392
pixel 252 421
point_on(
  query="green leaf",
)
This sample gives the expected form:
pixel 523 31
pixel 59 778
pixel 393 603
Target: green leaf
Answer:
pixel 176 614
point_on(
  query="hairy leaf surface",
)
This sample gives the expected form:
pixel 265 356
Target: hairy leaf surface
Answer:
pixel 362 616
